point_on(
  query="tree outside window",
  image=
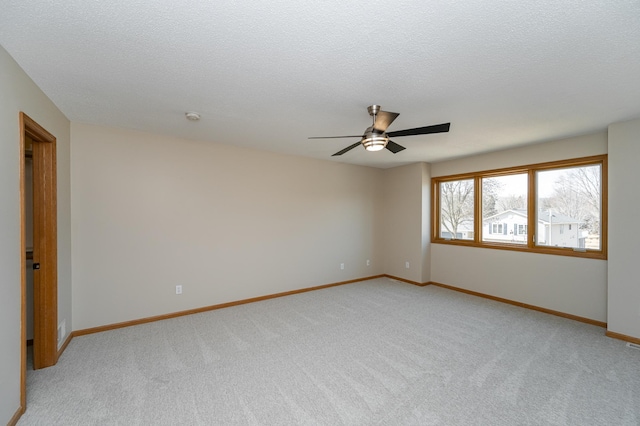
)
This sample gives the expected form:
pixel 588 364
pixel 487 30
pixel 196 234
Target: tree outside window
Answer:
pixel 456 212
pixel 576 193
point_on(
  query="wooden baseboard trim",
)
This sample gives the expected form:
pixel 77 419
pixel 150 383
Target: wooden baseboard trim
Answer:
pixel 524 305
pixel 65 344
pixel 212 307
pixel 624 337
pixel 16 416
pixel 407 281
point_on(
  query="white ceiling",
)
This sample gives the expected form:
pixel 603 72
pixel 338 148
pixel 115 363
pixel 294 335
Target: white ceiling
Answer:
pixel 269 74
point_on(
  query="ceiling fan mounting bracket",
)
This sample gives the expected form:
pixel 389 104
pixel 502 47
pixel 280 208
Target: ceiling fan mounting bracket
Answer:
pixel 373 110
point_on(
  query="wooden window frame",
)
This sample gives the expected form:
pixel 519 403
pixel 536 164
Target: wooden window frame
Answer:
pixel 530 170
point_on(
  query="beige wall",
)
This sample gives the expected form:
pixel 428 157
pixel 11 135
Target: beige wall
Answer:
pixel 426 223
pixel 19 93
pixel 571 285
pixel 151 212
pixel 402 231
pixel 581 146
pixel 624 205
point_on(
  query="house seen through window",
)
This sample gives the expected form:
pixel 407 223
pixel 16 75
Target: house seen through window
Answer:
pixel 561 203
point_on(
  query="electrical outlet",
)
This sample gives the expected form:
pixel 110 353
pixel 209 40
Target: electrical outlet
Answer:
pixel 368 262
pixel 342 266
pixel 178 289
pixel 406 265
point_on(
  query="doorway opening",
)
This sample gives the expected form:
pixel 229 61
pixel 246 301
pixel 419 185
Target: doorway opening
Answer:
pixel 38 146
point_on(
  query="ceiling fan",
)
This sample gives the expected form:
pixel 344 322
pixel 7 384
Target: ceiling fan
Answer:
pixel 376 138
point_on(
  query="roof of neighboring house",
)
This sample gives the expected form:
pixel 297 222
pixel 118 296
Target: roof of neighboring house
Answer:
pixel 543 216
pixel 519 212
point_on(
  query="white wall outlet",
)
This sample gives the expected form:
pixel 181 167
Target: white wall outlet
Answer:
pixel 342 266
pixel 406 265
pixel 178 289
pixel 368 262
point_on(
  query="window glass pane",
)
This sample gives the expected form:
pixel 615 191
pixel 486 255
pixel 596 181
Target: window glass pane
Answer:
pixel 456 209
pixel 569 205
pixel 504 209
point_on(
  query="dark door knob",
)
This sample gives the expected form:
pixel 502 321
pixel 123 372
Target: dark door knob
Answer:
pixel 36 266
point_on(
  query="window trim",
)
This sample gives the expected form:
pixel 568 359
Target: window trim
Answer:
pixel 530 170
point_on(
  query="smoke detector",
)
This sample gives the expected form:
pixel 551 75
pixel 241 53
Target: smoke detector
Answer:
pixel 192 116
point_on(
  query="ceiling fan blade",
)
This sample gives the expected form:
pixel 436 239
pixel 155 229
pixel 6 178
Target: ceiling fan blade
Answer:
pixel 437 128
pixel 335 137
pixel 349 148
pixel 394 147
pixel 383 120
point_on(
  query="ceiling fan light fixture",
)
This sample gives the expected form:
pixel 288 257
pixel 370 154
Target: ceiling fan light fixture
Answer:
pixel 374 144
pixel 374 141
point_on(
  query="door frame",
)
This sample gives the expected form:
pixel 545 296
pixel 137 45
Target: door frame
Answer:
pixel 45 248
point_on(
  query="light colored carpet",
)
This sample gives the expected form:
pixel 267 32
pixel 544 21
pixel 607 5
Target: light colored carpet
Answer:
pixel 374 352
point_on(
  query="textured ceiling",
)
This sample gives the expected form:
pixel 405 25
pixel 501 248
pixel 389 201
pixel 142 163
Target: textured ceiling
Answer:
pixel 267 75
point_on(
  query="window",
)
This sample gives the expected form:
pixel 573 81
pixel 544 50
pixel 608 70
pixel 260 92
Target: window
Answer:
pixel 504 200
pixel 456 200
pixel 563 203
pixel 570 196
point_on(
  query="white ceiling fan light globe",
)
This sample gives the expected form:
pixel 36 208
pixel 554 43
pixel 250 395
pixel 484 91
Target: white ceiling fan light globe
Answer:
pixel 374 147
pixel 373 141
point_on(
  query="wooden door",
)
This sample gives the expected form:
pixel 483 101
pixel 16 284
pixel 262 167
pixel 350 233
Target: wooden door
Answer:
pixel 45 278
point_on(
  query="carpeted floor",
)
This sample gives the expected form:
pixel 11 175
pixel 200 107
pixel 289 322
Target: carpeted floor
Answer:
pixel 374 352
